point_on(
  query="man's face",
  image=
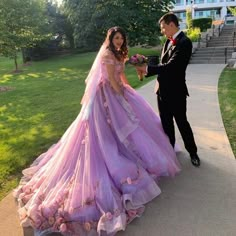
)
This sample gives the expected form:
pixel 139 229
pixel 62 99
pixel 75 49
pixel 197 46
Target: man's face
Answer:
pixel 166 29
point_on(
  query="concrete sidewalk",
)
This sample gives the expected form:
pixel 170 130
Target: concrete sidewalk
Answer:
pixel 199 201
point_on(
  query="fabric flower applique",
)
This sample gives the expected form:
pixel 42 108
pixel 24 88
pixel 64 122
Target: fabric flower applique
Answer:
pixel 109 216
pixel 129 180
pixel 63 227
pixel 51 220
pixel 132 213
pixel 116 212
pixel 87 226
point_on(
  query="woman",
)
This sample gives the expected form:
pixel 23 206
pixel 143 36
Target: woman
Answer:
pixel 97 178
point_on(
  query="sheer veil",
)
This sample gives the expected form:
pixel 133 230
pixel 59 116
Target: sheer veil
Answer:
pixel 92 81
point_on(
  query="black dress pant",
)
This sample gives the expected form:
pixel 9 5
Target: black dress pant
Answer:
pixel 176 109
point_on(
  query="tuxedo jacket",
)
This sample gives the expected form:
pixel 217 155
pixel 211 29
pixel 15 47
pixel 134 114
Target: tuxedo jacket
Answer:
pixel 172 68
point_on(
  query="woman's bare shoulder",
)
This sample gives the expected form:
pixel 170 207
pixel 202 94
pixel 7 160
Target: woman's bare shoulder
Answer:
pixel 108 54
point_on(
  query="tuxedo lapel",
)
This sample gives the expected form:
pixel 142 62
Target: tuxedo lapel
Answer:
pixel 165 50
pixel 166 54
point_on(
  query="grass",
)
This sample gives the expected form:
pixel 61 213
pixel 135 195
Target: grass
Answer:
pixel 44 99
pixel 227 98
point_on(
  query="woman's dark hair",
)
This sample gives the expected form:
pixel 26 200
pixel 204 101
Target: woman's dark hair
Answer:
pixel 123 52
pixel 169 17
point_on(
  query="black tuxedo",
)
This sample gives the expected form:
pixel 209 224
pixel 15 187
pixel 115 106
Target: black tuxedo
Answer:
pixel 172 93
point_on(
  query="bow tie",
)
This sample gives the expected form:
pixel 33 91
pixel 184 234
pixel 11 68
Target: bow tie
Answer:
pixel 173 41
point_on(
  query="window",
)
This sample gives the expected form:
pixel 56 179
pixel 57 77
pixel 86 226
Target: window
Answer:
pixel 199 1
pixel 179 2
pixel 214 13
pixel 181 15
pixel 211 1
pixel 189 2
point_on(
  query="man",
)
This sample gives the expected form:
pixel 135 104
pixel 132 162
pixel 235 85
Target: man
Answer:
pixel 172 93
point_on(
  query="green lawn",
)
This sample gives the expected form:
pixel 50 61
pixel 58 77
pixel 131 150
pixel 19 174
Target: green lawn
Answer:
pixel 44 99
pixel 227 97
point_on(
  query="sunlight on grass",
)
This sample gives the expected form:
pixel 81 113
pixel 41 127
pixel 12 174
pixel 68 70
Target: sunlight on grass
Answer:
pixel 227 98
pixel 65 70
pixel 5 78
pixel 33 75
pixel 33 133
pixel 2 109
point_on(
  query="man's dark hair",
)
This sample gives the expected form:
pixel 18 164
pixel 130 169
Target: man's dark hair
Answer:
pixel 169 17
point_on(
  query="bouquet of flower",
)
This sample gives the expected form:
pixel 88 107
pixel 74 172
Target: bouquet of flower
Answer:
pixel 138 60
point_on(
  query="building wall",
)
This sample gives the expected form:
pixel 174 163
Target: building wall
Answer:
pixel 217 9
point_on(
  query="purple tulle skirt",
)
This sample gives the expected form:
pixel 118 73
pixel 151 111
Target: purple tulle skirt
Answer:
pixel 102 171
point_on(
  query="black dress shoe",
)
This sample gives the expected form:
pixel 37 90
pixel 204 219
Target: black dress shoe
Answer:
pixel 195 160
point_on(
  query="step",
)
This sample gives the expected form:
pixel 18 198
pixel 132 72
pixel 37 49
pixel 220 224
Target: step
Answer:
pixel 210 59
pixel 215 44
pixel 215 50
pixel 227 31
pixel 210 56
pixel 207 62
pixel 222 40
pixel 212 53
pixel 220 45
pixel 219 39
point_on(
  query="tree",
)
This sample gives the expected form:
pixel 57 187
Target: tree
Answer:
pixel 61 32
pixel 189 20
pixel 232 10
pixel 59 23
pixel 21 24
pixel 92 18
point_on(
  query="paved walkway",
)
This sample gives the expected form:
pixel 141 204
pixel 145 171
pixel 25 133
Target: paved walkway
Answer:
pixel 199 201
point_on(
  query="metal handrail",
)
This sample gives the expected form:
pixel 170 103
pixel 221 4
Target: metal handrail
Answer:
pixel 234 41
pixel 226 52
pixel 199 41
pixel 226 48
pixel 207 40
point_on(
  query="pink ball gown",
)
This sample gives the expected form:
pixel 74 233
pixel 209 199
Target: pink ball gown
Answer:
pixel 103 170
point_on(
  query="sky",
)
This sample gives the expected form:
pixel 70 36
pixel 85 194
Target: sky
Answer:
pixel 58 1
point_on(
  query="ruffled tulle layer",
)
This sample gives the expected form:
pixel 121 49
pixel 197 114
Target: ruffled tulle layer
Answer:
pixel 98 177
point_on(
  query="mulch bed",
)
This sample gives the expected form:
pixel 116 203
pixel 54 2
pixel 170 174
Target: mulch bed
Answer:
pixel 5 89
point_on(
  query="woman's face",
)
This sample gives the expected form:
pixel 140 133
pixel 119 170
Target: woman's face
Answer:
pixel 118 40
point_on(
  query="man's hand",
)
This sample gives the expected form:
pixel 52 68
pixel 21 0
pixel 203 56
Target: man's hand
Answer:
pixel 141 70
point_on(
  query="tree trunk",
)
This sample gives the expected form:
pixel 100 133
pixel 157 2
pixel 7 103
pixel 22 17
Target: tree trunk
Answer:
pixel 16 64
pixel 23 56
pixel 71 41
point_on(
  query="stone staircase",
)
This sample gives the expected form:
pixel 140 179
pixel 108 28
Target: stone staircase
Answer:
pixel 218 47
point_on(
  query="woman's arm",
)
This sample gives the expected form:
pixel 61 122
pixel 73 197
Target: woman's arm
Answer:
pixel 123 78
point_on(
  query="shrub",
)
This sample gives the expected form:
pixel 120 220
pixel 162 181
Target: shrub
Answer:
pixel 202 23
pixel 193 34
pixel 189 19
